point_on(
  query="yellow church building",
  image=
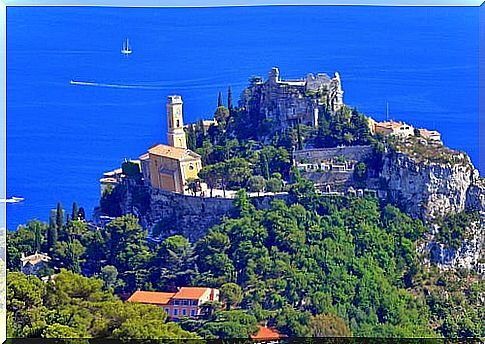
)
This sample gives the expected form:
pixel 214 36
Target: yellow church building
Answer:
pixel 170 167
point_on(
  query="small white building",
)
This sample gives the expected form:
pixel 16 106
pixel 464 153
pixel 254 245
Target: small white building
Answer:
pixel 30 265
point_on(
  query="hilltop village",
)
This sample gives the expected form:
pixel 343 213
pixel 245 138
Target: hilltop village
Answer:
pixel 288 104
pixel 290 214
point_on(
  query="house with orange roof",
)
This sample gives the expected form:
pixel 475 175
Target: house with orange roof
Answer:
pixel 267 335
pixel 185 302
pixel 392 128
pixel 431 135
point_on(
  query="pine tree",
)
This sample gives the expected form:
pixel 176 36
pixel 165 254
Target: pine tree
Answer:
pixel 219 101
pixel 229 98
pixel 75 211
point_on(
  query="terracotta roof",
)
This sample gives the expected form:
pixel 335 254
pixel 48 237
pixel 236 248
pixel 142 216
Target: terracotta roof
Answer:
pixel 426 132
pixel 267 333
pixel 390 124
pixel 144 156
pixel 151 297
pixel 193 293
pixel 34 259
pixel 172 152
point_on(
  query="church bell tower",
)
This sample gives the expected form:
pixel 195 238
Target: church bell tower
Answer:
pixel 176 133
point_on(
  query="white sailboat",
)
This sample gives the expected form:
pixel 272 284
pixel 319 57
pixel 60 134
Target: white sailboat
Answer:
pixel 126 50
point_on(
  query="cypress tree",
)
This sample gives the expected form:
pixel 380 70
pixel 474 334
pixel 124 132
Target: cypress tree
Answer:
pixel 75 211
pixel 263 160
pixel 51 236
pixel 82 213
pixel 37 237
pixel 298 133
pixel 219 101
pixel 229 98
pixel 59 217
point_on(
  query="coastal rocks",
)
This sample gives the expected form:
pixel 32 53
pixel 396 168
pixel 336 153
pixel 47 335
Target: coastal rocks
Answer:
pixel 431 190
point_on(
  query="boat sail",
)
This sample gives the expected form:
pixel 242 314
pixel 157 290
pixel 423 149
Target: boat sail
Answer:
pixel 126 50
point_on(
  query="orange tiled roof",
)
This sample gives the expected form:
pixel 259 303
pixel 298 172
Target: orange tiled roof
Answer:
pixel 389 125
pixel 267 333
pixel 151 297
pixel 144 156
pixel 171 152
pixel 193 293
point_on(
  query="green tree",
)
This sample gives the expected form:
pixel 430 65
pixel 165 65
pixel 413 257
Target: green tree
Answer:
pixel 264 166
pixel 231 295
pixel 229 98
pixel 51 236
pixel 274 185
pixel 328 325
pixel 219 100
pixel 75 211
pixel 59 217
pixel 109 275
pixel 256 184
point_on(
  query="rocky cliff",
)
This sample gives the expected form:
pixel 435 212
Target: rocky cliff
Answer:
pixel 430 188
pixel 166 213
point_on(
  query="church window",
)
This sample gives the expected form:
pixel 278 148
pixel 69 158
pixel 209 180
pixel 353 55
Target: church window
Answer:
pixel 191 167
pixel 178 123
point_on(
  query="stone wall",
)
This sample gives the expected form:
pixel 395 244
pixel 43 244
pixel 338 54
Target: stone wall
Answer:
pixel 173 213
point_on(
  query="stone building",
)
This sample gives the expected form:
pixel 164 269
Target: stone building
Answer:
pixel 288 102
pixel 30 265
pixel 170 167
pixel 390 128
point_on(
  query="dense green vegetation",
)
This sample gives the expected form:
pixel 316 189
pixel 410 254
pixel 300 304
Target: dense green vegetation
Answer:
pixel 309 266
pixel 306 266
pixel 73 306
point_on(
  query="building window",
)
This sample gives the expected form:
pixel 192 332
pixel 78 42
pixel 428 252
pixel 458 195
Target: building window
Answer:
pixel 184 311
pixel 191 167
pixel 176 302
pixel 192 312
pixel 194 302
pixel 178 123
pixel 175 312
pixel 185 302
pixel 167 310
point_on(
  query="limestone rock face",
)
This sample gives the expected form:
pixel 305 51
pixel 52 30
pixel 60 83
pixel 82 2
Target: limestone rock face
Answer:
pixel 470 255
pixel 430 190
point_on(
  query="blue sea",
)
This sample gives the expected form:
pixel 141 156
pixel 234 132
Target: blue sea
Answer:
pixel 423 61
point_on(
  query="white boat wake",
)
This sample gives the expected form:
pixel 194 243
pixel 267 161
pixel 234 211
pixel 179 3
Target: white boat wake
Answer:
pixel 97 84
pixel 148 87
pixel 11 200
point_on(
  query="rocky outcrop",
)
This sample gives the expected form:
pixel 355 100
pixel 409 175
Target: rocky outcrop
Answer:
pixel 432 189
pixel 470 255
